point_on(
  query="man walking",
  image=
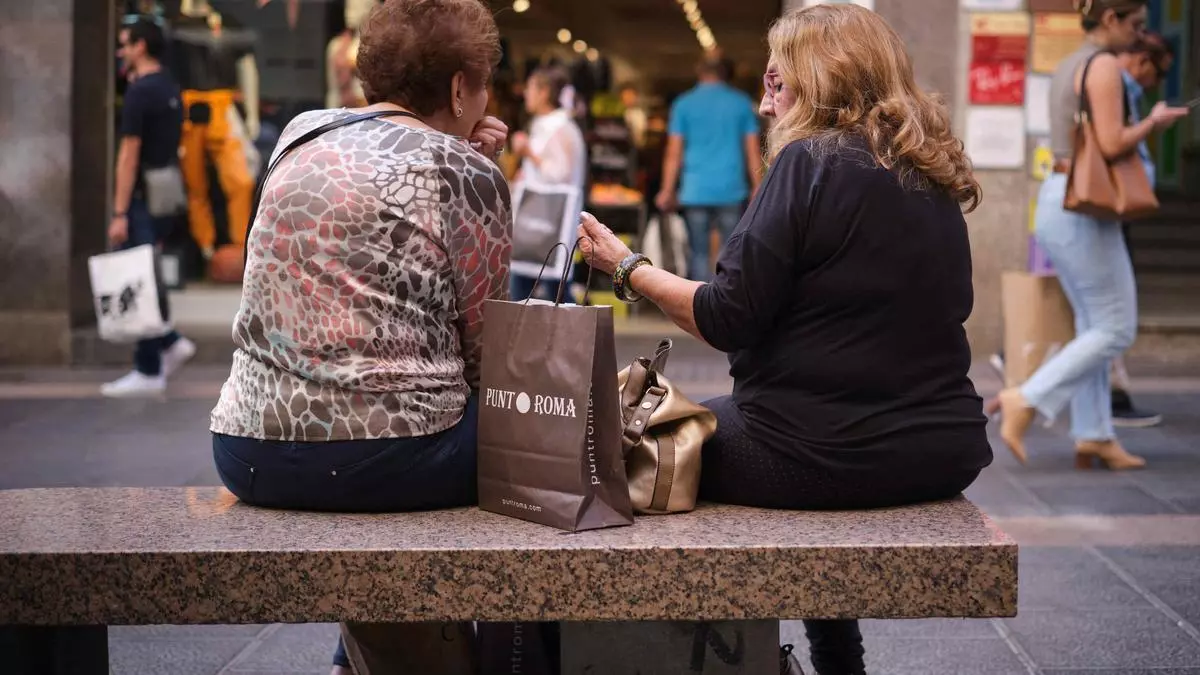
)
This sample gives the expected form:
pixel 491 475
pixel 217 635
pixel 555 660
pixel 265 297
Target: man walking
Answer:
pixel 1144 65
pixel 151 120
pixel 713 145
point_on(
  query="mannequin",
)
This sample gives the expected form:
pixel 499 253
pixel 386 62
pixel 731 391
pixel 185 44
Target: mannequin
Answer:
pixel 343 88
pixel 215 65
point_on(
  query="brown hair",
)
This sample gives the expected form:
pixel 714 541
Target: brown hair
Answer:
pixel 410 51
pixel 1152 45
pixel 853 77
pixel 1092 11
pixel 554 78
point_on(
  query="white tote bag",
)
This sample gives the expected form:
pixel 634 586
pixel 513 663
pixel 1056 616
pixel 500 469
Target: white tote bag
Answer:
pixel 544 215
pixel 125 290
pixel 667 247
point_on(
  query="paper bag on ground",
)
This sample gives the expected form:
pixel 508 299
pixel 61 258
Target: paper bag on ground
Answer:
pixel 550 423
pixel 1038 322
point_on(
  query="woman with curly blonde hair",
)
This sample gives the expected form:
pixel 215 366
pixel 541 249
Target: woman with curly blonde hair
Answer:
pixel 840 297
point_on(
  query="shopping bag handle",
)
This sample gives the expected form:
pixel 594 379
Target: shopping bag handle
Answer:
pixel 562 281
pixel 545 263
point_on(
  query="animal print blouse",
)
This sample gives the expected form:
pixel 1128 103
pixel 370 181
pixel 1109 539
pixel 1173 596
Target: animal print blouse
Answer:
pixel 370 259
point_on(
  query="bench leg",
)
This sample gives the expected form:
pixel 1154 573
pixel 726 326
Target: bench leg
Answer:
pixel 54 650
pixel 671 648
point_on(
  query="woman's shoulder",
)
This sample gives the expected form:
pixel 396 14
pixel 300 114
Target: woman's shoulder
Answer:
pixel 468 172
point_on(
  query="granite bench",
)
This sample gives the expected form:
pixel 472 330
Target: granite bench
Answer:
pixel 75 560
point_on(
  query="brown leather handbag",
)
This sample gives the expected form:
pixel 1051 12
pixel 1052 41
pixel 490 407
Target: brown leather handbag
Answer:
pixel 1110 190
pixel 662 437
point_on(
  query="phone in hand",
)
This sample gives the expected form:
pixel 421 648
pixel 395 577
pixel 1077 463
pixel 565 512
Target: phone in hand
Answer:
pixel 1192 104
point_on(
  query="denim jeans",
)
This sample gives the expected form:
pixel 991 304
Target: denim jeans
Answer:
pixel 700 221
pixel 392 474
pixel 523 286
pixel 1093 266
pixel 146 229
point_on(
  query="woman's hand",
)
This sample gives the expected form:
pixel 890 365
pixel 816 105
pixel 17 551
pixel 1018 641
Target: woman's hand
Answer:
pixel 520 143
pixel 601 248
pixel 1164 116
pixel 488 136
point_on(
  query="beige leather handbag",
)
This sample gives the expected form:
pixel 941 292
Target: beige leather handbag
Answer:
pixel 662 437
pixel 1111 190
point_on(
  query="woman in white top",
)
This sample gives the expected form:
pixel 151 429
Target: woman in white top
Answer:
pixel 552 153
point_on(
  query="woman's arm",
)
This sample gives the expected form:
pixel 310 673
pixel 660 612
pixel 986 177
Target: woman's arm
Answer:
pixel 755 271
pixel 673 295
pixel 1106 95
pixel 480 250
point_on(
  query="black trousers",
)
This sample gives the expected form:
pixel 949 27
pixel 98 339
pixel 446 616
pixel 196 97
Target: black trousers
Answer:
pixel 737 470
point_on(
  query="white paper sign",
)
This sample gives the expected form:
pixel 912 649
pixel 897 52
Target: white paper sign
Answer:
pixel 1037 104
pixel 869 4
pixel 996 137
pixel 993 5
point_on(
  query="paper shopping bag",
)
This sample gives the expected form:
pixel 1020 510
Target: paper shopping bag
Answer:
pixel 550 423
pixel 1038 322
pixel 125 290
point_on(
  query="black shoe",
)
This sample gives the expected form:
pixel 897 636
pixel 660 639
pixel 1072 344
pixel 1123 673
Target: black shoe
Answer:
pixel 788 663
pixel 1127 415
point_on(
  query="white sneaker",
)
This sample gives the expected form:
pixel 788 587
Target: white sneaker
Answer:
pixel 135 385
pixel 177 356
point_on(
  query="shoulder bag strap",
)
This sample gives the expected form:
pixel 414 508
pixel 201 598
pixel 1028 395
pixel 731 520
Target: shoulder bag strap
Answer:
pixel 301 140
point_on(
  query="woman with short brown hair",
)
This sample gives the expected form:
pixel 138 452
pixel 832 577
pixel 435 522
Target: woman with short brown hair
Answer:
pixel 377 241
pixel 840 297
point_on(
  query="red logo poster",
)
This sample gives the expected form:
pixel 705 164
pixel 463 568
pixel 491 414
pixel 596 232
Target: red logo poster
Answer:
pixel 998 83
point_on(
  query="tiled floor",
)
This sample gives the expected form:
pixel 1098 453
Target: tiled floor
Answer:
pixel 1110 563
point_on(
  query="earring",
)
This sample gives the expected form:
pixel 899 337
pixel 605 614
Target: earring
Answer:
pixel 459 112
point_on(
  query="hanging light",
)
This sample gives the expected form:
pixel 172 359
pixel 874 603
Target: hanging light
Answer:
pixel 593 54
pixel 520 6
pixel 580 46
pixel 564 35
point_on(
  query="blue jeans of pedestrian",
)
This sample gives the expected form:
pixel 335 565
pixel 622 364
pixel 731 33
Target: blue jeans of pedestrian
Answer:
pixel 1093 266
pixel 146 229
pixel 385 475
pixel 523 287
pixel 700 221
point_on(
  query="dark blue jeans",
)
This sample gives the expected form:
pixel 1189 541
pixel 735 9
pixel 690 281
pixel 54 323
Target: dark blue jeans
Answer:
pixel 146 229
pixel 392 474
pixel 523 286
pixel 700 221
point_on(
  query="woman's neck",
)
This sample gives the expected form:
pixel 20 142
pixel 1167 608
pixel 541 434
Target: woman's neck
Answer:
pixel 545 110
pixel 1098 39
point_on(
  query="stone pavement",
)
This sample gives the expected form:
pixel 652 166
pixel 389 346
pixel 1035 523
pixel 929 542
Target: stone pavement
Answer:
pixel 1110 563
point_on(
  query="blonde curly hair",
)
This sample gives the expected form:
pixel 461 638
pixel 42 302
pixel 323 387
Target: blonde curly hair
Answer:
pixel 853 77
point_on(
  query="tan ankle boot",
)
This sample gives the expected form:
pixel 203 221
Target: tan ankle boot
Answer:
pixel 1015 417
pixel 1115 457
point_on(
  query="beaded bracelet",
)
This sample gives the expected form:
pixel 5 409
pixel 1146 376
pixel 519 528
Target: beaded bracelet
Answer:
pixel 621 277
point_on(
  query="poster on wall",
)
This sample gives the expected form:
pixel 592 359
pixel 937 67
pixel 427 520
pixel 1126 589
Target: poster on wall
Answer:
pixel 1037 104
pixel 997 83
pixel 993 5
pixel 1063 6
pixel 996 137
pixel 1055 36
pixel 999 44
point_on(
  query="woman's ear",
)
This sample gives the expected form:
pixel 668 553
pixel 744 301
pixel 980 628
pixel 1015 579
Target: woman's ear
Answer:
pixel 1109 19
pixel 457 93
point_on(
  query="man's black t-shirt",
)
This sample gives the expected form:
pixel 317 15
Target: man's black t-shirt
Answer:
pixel 153 112
pixel 841 298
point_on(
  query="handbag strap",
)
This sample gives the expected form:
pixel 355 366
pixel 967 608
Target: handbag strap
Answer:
pixel 301 140
pixel 643 394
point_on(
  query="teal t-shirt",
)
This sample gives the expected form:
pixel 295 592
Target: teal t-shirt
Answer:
pixel 714 120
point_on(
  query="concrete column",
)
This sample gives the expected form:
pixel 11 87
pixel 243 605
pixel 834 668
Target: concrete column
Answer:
pixel 55 119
